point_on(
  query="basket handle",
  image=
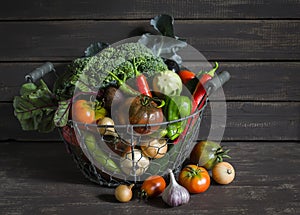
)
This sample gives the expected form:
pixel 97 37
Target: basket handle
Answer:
pixel 39 72
pixel 216 82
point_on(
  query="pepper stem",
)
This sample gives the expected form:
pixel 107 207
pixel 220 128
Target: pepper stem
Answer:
pixel 213 70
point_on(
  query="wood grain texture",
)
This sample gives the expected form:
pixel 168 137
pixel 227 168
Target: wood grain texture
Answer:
pixel 245 121
pixel 40 178
pixel 13 76
pixel 256 121
pixel 216 39
pixel 257 41
pixel 146 9
pixel 254 81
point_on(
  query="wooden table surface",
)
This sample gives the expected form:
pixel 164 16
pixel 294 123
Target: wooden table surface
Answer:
pixel 258 42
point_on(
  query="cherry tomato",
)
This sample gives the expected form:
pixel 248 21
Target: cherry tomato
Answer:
pixel 153 186
pixel 194 178
pixel 83 111
pixel 186 76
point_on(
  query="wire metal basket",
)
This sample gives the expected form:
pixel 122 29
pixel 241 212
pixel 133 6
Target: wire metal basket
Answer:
pixel 173 158
pixel 107 168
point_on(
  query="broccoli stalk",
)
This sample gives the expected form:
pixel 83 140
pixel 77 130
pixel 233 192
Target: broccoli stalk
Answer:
pixel 123 86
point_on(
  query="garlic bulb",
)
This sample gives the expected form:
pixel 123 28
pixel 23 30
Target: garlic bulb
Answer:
pixel 175 194
pixel 134 163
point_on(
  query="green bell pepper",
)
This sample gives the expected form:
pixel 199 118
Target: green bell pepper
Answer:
pixel 177 108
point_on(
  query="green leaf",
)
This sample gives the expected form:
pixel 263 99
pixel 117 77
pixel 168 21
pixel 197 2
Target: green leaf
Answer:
pixel 65 84
pixel 46 124
pixel 164 25
pixel 35 107
pixel 61 115
pixel 28 88
pixel 95 48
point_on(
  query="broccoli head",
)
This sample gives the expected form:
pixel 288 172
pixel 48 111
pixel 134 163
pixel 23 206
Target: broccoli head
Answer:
pixel 123 61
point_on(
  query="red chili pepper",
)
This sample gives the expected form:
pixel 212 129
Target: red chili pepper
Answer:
pixel 142 85
pixel 200 92
pixel 199 99
pixel 141 81
pixel 186 75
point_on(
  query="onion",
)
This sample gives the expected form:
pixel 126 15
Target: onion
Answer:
pixel 223 173
pixel 123 193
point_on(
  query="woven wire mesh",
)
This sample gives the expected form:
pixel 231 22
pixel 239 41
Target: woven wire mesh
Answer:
pixel 173 158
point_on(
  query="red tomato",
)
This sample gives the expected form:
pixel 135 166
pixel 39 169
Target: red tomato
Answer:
pixel 153 186
pixel 194 178
pixel 83 111
pixel 186 75
pixel 143 110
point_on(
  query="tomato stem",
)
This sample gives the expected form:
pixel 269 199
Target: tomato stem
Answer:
pixel 220 154
pixel 193 172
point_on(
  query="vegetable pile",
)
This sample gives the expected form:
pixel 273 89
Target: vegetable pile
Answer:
pixel 205 165
pixel 130 85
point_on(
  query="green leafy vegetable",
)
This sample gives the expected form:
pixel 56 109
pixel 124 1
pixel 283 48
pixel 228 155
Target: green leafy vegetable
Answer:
pixel 120 62
pixel 35 107
pixel 161 46
pixel 164 25
pixel 65 84
pixel 62 113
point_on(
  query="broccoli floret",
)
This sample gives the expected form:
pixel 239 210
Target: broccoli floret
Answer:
pixel 124 61
pixel 152 65
pixel 78 65
pixel 141 58
pixel 129 51
pixel 92 73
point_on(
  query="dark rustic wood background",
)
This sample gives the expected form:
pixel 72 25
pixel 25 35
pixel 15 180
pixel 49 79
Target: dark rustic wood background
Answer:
pixel 258 42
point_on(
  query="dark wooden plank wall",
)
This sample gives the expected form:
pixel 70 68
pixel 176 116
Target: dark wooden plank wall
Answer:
pixel 145 9
pixel 241 40
pixel 257 41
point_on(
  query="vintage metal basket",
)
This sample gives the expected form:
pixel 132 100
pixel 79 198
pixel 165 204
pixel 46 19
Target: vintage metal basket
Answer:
pixel 115 148
pixel 172 159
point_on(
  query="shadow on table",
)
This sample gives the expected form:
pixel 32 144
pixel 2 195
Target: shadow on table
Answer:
pixel 41 161
pixel 154 202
